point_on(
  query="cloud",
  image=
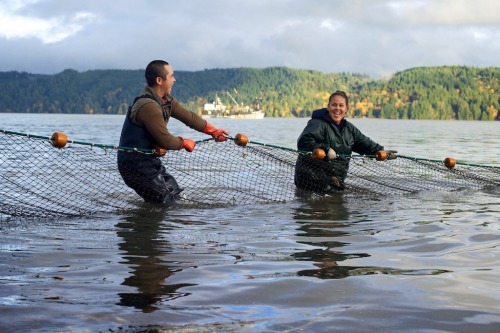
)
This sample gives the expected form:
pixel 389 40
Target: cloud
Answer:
pixel 376 37
pixel 447 12
pixel 15 25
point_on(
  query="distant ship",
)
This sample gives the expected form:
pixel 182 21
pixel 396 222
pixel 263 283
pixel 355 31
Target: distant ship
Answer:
pixel 250 114
pixel 219 110
pixel 214 110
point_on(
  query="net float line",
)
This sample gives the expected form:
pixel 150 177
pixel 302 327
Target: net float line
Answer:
pixel 52 176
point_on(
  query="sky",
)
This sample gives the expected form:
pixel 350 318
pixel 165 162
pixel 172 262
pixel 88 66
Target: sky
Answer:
pixel 373 37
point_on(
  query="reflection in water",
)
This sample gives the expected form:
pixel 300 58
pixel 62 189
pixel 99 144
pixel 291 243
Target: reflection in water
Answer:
pixel 323 218
pixel 143 247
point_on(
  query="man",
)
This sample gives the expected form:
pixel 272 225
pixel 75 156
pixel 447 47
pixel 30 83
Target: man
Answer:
pixel 145 128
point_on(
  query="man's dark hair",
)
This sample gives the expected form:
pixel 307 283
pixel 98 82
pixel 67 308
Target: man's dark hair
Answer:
pixel 155 68
pixel 342 94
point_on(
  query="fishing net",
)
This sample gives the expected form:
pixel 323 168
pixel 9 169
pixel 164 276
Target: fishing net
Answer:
pixel 38 179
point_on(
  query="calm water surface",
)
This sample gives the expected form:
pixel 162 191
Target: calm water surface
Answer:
pixel 428 262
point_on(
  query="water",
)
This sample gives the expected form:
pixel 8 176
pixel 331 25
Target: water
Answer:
pixel 428 262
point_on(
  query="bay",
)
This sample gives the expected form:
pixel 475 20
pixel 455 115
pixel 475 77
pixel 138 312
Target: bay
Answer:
pixel 418 263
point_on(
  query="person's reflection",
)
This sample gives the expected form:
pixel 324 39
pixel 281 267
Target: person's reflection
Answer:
pixel 144 245
pixel 324 218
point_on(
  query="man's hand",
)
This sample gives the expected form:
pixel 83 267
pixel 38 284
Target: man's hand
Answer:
pixel 187 144
pixel 217 133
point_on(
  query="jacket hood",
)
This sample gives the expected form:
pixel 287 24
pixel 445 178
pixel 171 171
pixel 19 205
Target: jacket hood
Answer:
pixel 321 114
pixel 324 115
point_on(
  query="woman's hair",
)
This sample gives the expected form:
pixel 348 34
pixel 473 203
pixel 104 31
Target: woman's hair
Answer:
pixel 342 94
pixel 155 68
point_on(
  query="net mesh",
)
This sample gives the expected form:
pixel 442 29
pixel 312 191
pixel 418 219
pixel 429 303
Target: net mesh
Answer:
pixel 40 180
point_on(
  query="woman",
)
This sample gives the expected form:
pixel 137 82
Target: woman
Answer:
pixel 338 138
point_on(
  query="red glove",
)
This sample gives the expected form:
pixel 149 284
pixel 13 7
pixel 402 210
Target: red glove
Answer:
pixel 187 144
pixel 217 133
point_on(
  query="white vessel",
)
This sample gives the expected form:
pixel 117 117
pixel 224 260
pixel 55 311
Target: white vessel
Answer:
pixel 214 110
pixel 219 110
pixel 244 112
pixel 250 114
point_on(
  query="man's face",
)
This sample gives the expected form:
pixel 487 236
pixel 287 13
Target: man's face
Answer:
pixel 168 82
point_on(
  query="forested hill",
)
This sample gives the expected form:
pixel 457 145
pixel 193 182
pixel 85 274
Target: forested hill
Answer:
pixel 448 92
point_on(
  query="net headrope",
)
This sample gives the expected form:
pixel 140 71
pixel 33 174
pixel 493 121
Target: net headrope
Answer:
pixel 53 176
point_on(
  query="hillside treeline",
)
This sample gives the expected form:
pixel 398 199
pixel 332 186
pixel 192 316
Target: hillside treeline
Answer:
pixel 448 92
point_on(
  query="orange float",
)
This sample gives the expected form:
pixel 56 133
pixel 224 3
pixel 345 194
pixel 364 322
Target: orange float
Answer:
pixel 159 151
pixel 318 154
pixel 381 155
pixel 241 139
pixel 59 139
pixel 450 162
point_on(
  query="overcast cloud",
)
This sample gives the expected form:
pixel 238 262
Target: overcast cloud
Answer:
pixel 375 37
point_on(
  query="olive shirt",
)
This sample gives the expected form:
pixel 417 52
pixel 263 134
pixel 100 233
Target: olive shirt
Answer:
pixel 148 113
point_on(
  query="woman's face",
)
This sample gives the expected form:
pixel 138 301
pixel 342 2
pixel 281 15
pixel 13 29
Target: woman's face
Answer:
pixel 337 108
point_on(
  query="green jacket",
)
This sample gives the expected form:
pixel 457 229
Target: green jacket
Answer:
pixel 322 132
